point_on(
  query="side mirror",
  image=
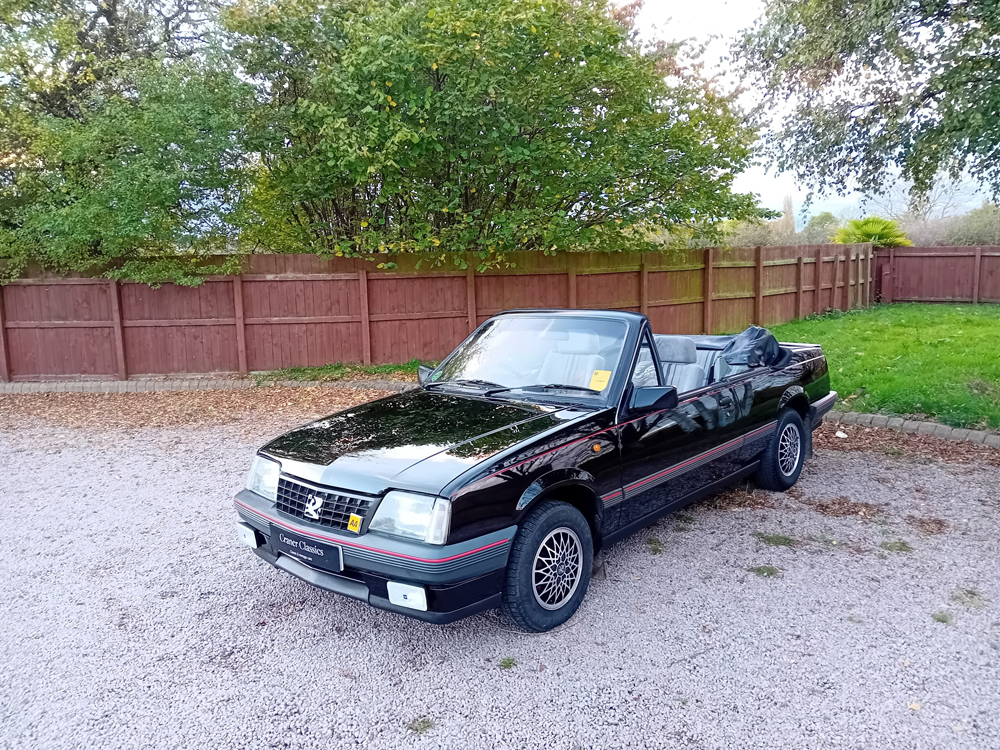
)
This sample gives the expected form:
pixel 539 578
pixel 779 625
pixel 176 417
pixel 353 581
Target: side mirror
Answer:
pixel 423 372
pixel 653 398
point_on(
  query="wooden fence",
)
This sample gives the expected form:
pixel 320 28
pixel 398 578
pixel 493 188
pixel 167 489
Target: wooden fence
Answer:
pixel 938 274
pixel 295 310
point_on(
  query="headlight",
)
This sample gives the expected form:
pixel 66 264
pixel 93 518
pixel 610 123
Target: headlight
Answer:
pixel 413 516
pixel 263 477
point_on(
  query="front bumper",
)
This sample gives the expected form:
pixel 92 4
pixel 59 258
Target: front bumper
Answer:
pixel 459 579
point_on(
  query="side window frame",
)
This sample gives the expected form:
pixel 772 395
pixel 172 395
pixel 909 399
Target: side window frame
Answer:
pixel 646 339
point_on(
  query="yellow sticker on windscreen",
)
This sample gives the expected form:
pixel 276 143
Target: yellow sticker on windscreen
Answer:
pixel 600 379
pixel 354 523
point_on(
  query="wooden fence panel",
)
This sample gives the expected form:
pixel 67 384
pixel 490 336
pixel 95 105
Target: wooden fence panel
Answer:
pixel 175 329
pixel 936 274
pixel 59 330
pixel 416 317
pixel 301 321
pixel 989 276
pixel 291 310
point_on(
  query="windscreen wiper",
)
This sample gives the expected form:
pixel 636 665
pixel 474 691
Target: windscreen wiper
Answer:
pixel 474 382
pixel 543 387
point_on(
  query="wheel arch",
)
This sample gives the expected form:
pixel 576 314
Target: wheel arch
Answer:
pixel 573 487
pixel 795 398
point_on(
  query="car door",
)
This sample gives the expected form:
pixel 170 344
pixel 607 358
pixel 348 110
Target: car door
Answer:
pixel 668 455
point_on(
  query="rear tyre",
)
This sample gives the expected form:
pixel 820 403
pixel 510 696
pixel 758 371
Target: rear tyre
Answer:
pixel 549 568
pixel 781 462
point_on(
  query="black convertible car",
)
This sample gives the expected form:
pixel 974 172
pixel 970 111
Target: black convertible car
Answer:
pixel 544 437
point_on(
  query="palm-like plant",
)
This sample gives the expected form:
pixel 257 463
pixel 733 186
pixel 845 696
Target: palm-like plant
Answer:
pixel 876 230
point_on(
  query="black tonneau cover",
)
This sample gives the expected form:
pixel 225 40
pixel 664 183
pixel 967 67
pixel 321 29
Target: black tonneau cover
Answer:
pixel 754 347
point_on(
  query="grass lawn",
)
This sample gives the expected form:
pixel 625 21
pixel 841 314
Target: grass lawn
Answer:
pixel 937 361
pixel 341 371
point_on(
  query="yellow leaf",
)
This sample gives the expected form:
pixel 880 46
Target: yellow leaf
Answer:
pixel 556 55
pixel 434 66
pixel 364 223
pixel 388 83
pixel 445 210
pixel 373 83
pixel 473 190
pixel 436 241
pixel 533 29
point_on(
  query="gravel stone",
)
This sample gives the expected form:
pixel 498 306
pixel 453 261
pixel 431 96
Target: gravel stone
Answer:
pixel 976 436
pixel 895 423
pixel 927 428
pixel 850 417
pixel 864 419
pixel 958 434
pixel 942 430
pixel 879 420
pixel 134 619
pixel 911 425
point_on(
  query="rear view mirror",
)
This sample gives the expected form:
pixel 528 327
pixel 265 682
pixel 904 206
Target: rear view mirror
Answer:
pixel 423 373
pixel 653 398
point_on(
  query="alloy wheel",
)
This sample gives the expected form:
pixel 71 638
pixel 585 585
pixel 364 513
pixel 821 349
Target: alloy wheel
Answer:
pixel 789 449
pixel 557 568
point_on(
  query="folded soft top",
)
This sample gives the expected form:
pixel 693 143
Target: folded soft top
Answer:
pixel 755 346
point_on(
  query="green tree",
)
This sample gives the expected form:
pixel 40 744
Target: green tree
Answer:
pixel 981 226
pixel 880 232
pixel 873 89
pixel 119 139
pixel 820 228
pixel 477 125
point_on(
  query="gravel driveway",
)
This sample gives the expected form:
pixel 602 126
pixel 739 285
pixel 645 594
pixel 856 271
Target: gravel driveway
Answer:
pixel 134 619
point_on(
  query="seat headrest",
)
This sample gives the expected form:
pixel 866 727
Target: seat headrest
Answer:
pixel 579 342
pixel 677 349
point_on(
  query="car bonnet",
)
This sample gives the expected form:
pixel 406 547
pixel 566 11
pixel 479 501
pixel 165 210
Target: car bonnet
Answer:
pixel 418 440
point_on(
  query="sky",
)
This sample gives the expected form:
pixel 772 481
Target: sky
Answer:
pixel 717 22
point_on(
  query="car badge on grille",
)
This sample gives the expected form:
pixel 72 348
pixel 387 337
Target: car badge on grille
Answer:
pixel 313 505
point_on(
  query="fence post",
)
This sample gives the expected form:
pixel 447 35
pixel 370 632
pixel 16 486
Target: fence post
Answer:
pixel 834 302
pixel 868 277
pixel 819 280
pixel 798 286
pixel 706 308
pixel 470 293
pixel 571 281
pixel 4 354
pixel 116 317
pixel 241 330
pixel 890 294
pixel 758 280
pixel 975 275
pixel 643 285
pixel 848 260
pixel 366 326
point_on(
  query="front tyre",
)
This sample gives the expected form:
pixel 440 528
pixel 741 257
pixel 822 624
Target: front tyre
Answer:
pixel 781 462
pixel 549 567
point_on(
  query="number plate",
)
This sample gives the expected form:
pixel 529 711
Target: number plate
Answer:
pixel 316 554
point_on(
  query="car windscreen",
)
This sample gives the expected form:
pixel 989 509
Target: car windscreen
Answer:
pixel 528 355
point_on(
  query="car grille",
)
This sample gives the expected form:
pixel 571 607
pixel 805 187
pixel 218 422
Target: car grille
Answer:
pixel 335 511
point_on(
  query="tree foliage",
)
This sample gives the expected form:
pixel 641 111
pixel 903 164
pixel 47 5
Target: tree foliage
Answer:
pixel 139 136
pixel 477 125
pixel 120 139
pixel 878 231
pixel 870 90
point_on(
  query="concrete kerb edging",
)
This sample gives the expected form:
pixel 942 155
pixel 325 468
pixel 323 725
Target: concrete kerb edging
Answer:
pixel 191 384
pixel 935 429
